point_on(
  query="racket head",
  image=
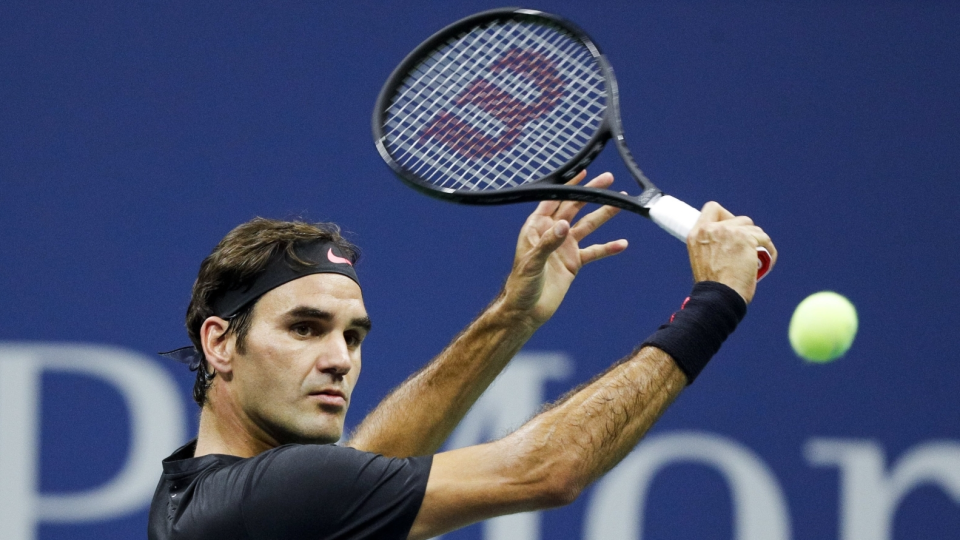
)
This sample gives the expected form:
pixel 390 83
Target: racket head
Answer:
pixel 499 107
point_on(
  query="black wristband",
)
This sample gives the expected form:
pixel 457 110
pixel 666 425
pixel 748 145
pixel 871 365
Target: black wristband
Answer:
pixel 695 333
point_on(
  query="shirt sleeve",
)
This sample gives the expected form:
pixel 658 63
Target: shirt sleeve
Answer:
pixel 332 492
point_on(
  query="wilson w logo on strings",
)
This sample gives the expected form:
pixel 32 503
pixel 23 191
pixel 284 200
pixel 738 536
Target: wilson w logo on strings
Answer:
pixel 471 142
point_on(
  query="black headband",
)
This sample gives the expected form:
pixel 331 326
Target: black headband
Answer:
pixel 324 258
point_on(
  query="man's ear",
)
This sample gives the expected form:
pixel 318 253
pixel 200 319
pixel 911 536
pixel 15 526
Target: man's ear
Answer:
pixel 218 347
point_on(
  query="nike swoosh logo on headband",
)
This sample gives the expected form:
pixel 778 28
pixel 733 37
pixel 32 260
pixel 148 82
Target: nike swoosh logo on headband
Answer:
pixel 338 260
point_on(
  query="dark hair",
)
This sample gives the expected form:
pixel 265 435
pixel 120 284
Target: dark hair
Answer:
pixel 236 261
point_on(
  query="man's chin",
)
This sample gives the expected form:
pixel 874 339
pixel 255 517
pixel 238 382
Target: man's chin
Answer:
pixel 314 435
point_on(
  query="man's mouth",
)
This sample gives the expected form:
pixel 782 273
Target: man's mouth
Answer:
pixel 330 397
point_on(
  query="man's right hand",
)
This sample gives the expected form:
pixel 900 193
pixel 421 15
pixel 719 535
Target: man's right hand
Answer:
pixel 552 458
pixel 723 248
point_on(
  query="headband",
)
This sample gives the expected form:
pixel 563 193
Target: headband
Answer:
pixel 323 256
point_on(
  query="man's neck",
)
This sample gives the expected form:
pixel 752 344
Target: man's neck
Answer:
pixel 223 431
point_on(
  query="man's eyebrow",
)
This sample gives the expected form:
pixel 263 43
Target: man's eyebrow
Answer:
pixel 305 312
pixel 362 322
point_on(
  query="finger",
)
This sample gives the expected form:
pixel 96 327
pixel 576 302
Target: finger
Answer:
pixel 549 242
pixel 759 234
pixel 763 239
pixel 547 208
pixel 713 212
pixel 600 251
pixel 578 178
pixel 569 209
pixel 602 181
pixel 739 221
pixel 593 221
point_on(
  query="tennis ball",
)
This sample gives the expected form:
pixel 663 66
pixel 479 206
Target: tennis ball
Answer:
pixel 823 327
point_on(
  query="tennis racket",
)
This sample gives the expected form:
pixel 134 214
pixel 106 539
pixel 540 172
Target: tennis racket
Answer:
pixel 505 106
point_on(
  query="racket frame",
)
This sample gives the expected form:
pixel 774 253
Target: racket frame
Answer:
pixel 551 186
pixel 673 215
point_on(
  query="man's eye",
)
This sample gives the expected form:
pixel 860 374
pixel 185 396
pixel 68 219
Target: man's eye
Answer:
pixel 302 330
pixel 353 339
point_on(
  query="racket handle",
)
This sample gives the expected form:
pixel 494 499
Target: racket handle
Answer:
pixel 677 218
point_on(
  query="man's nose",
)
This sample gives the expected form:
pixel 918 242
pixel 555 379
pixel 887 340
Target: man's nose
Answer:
pixel 335 357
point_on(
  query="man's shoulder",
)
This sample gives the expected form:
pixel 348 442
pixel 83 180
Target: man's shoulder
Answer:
pixel 183 461
pixel 310 486
pixel 330 462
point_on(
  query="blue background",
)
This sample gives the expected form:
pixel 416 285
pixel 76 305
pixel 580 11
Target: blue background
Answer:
pixel 134 135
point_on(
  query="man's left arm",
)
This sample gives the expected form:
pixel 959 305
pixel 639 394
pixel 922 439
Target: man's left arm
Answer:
pixel 418 416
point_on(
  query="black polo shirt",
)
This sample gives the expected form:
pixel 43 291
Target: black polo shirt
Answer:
pixel 291 492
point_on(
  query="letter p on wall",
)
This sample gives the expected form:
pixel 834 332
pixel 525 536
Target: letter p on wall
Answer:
pixel 156 415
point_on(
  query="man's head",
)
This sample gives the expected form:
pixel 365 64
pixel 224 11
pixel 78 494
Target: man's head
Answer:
pixel 278 318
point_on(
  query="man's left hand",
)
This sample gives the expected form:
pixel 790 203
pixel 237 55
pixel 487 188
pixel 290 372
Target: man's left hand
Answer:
pixel 549 255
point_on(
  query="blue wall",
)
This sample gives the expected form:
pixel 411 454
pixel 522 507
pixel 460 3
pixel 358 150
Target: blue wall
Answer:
pixel 133 135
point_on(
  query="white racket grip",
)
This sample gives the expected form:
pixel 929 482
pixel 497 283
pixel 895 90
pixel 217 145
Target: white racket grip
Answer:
pixel 677 218
pixel 674 216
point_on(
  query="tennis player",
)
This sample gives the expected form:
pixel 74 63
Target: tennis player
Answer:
pixel 277 321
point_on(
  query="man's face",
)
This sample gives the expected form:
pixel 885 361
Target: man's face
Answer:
pixel 301 359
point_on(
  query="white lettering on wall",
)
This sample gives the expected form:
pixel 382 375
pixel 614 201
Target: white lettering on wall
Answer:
pixel 616 509
pixel 157 427
pixel 870 495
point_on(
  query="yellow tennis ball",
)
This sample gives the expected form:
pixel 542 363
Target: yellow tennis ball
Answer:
pixel 823 327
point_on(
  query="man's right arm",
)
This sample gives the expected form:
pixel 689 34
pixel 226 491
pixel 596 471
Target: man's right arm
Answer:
pixel 552 458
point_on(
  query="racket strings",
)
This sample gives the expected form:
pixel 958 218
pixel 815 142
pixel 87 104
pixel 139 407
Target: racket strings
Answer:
pixel 452 170
pixel 503 104
pixel 498 164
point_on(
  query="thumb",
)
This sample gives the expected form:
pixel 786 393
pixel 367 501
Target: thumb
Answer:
pixel 549 242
